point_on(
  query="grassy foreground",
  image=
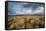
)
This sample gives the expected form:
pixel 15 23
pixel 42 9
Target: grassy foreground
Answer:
pixel 25 22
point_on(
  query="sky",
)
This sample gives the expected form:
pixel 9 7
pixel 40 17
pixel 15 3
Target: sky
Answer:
pixel 19 8
pixel 17 0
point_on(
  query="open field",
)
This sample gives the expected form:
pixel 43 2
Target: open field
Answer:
pixel 25 22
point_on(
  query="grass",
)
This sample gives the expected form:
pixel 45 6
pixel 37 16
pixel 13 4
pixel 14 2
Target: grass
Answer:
pixel 20 22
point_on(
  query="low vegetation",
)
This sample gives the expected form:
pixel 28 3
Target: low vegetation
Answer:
pixel 25 22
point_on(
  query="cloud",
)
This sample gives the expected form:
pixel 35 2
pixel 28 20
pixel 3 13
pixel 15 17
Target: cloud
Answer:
pixel 23 11
pixel 39 10
pixel 17 0
pixel 25 8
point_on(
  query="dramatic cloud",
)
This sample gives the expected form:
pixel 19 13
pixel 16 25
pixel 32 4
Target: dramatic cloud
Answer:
pixel 25 8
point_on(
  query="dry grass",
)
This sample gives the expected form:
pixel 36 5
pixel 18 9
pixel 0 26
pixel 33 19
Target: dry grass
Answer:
pixel 20 22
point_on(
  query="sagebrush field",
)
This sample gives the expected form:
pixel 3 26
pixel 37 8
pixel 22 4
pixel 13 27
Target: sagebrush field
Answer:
pixel 25 22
